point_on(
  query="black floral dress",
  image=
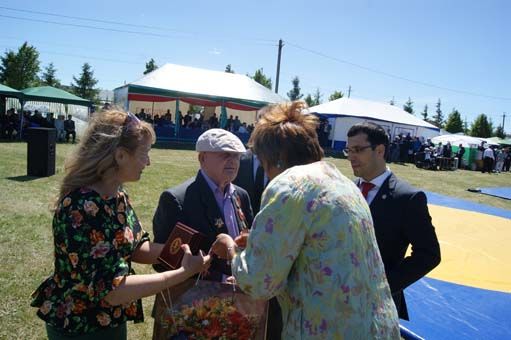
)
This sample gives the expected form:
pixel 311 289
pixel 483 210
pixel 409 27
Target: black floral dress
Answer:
pixel 94 239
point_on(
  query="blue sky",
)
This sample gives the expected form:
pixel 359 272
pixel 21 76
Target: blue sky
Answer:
pixel 457 51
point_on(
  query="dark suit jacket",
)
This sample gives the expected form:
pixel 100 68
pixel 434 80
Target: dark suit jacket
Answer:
pixel 193 203
pixel 246 180
pixel 401 218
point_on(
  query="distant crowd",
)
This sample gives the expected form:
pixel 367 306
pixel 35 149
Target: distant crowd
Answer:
pixel 194 120
pixel 11 124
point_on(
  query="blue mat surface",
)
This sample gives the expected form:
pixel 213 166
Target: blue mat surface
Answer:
pixel 452 202
pixel 504 192
pixel 444 310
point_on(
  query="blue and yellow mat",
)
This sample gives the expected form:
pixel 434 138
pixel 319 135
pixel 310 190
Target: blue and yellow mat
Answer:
pixel 468 296
pixel 504 192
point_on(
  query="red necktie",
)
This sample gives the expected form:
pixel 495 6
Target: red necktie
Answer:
pixel 366 187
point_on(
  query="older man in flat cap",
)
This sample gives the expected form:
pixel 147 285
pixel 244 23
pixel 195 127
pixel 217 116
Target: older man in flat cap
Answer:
pixel 209 203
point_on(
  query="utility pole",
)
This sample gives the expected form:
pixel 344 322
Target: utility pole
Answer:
pixel 281 44
pixel 503 120
pixel 349 91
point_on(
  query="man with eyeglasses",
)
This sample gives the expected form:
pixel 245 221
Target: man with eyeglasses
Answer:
pixel 400 212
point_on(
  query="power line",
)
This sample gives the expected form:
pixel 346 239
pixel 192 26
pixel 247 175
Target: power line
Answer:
pixel 115 23
pixel 393 75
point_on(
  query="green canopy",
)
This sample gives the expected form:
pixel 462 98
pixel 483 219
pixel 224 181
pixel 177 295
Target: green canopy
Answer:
pixel 9 92
pixel 52 95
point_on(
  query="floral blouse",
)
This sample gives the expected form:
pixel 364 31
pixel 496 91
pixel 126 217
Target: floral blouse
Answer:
pixel 313 246
pixel 94 238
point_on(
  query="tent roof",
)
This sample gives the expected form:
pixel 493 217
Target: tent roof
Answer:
pixel 178 81
pixel 371 110
pixel 456 140
pixel 498 140
pixel 10 92
pixel 52 95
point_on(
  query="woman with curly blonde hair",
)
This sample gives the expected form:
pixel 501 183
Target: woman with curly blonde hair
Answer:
pixel 312 244
pixel 93 290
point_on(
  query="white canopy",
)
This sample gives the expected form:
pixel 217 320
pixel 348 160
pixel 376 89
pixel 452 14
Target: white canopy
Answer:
pixel 369 110
pixel 466 141
pixel 214 85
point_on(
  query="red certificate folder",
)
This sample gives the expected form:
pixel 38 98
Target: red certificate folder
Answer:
pixel 172 254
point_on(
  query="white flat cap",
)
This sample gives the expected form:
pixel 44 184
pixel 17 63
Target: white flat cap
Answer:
pixel 219 140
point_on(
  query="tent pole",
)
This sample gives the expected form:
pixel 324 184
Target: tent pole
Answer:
pixel 22 102
pixel 223 116
pixel 178 120
pixel 333 134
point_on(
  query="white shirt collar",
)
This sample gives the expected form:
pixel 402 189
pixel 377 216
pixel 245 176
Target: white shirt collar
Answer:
pixel 377 181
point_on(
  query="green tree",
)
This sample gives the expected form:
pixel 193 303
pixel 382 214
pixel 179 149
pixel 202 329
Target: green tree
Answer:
pixel 466 130
pixel 229 69
pixel 392 102
pixel 438 118
pixel 262 79
pixel 295 92
pixel 336 95
pixel 313 99
pixel 408 107
pixel 84 86
pixel 150 66
pixel 454 123
pixel 425 113
pixel 499 132
pixel 481 127
pixel 19 69
pixel 49 77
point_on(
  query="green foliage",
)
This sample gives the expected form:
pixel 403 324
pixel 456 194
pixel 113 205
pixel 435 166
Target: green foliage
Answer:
pixel 425 113
pixel 313 99
pixel 49 77
pixel 336 95
pixel 150 66
pixel 481 127
pixel 454 123
pixel 499 132
pixel 408 107
pixel 438 118
pixel 229 69
pixel 19 69
pixel 85 85
pixel 295 92
pixel 262 79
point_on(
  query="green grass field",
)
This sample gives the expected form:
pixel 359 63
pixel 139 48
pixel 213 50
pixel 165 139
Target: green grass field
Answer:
pixel 26 253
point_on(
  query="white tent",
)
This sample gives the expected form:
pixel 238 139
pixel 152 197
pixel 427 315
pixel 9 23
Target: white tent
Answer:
pixel 345 112
pixel 189 85
pixel 455 140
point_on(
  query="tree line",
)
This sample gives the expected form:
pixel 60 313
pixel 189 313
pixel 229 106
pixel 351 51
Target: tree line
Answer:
pixel 22 69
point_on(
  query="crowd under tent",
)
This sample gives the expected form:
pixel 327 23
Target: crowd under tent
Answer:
pixel 345 112
pixel 8 92
pixel 176 87
pixel 50 95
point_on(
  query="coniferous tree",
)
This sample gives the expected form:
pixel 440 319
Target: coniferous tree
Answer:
pixel 336 95
pixel 19 69
pixel 392 102
pixel 454 123
pixel 438 118
pixel 228 69
pixel 49 77
pixel 408 107
pixel 499 132
pixel 150 66
pixel 85 85
pixel 295 92
pixel 425 113
pixel 262 79
pixel 481 127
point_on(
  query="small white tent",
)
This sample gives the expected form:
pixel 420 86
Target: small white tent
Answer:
pixel 345 112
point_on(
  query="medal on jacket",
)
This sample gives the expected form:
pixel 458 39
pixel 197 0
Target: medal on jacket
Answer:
pixel 219 223
pixel 241 215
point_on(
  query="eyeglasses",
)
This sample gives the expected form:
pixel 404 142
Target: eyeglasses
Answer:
pixel 357 149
